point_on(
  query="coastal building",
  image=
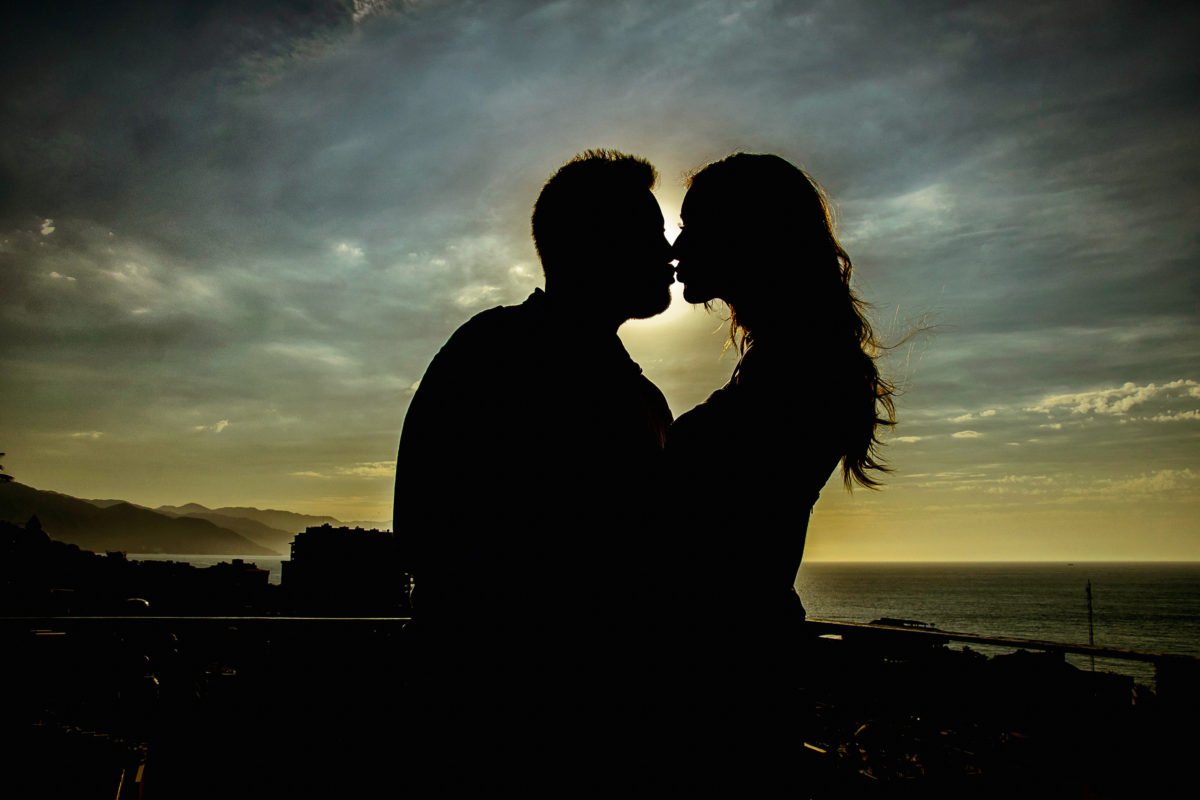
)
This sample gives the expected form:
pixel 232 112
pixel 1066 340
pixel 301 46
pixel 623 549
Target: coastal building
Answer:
pixel 345 571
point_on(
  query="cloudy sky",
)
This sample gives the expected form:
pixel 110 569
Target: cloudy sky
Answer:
pixel 233 234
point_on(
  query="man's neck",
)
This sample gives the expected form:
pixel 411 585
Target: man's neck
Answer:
pixel 588 318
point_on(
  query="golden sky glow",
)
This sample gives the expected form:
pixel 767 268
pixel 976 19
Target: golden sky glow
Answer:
pixel 230 247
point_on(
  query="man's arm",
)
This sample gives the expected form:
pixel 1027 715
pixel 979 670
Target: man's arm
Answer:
pixel 448 455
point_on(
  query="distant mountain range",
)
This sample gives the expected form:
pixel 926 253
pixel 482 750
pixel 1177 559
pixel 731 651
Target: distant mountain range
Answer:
pixel 101 525
pixel 275 538
pixel 279 520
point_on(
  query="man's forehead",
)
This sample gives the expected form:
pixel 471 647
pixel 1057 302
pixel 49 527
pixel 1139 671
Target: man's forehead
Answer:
pixel 637 207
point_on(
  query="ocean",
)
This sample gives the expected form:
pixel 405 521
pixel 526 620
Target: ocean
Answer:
pixel 272 563
pixel 1141 606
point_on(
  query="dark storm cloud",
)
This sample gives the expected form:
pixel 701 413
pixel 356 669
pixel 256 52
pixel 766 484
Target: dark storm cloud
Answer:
pixel 226 208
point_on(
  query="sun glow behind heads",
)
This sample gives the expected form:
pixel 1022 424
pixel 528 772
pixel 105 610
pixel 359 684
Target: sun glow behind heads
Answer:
pixel 656 343
pixel 679 307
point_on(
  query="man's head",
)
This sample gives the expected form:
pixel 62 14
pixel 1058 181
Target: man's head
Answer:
pixel 599 233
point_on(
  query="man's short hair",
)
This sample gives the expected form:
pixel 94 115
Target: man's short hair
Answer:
pixel 583 193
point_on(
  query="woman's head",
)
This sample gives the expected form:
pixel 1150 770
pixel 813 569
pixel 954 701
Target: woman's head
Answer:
pixel 758 234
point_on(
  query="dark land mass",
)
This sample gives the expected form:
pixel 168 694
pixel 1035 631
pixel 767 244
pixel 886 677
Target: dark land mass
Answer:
pixel 270 528
pixel 336 572
pixel 276 706
pixel 120 526
pixel 42 576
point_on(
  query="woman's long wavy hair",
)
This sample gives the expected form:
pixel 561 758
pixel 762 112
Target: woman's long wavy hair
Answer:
pixel 793 279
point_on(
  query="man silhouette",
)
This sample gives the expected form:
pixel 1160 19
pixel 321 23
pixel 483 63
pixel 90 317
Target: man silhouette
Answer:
pixel 528 463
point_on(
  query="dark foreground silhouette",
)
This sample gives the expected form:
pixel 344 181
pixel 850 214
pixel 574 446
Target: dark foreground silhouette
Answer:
pixel 529 471
pixel 260 706
pixel 531 463
pixel 749 463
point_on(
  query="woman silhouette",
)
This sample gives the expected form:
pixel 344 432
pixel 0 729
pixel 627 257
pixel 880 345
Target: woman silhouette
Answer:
pixel 752 458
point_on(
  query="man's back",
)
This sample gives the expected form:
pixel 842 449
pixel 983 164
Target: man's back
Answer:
pixel 527 487
pixel 527 470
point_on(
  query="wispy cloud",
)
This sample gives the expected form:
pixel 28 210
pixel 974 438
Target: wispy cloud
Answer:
pixel 1020 491
pixel 476 296
pixel 1180 416
pixel 1115 401
pixel 368 469
pixel 348 251
pixel 373 469
pixel 309 353
pixel 1159 482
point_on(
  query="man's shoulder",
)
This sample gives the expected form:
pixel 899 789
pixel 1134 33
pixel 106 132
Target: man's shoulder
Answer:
pixel 491 345
pixel 492 327
pixel 484 352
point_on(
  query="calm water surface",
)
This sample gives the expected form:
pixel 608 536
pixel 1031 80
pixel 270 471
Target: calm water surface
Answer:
pixel 1142 606
pixel 272 563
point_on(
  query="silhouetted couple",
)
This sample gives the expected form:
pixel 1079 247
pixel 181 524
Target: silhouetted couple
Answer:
pixel 604 597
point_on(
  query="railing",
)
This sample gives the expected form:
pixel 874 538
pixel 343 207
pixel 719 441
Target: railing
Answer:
pixel 818 627
pixel 194 619
pixel 1176 676
pixel 827 627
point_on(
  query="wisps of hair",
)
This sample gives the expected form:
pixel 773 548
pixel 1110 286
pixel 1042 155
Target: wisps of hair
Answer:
pixel 863 453
pixel 824 270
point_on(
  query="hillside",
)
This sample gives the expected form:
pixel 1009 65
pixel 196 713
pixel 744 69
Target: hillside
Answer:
pixel 288 521
pixel 121 525
pixel 274 538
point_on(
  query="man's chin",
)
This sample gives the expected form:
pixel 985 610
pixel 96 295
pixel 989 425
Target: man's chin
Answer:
pixel 652 306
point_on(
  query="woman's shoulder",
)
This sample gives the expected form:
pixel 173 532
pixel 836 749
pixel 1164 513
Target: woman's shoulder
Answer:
pixel 705 422
pixel 714 405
